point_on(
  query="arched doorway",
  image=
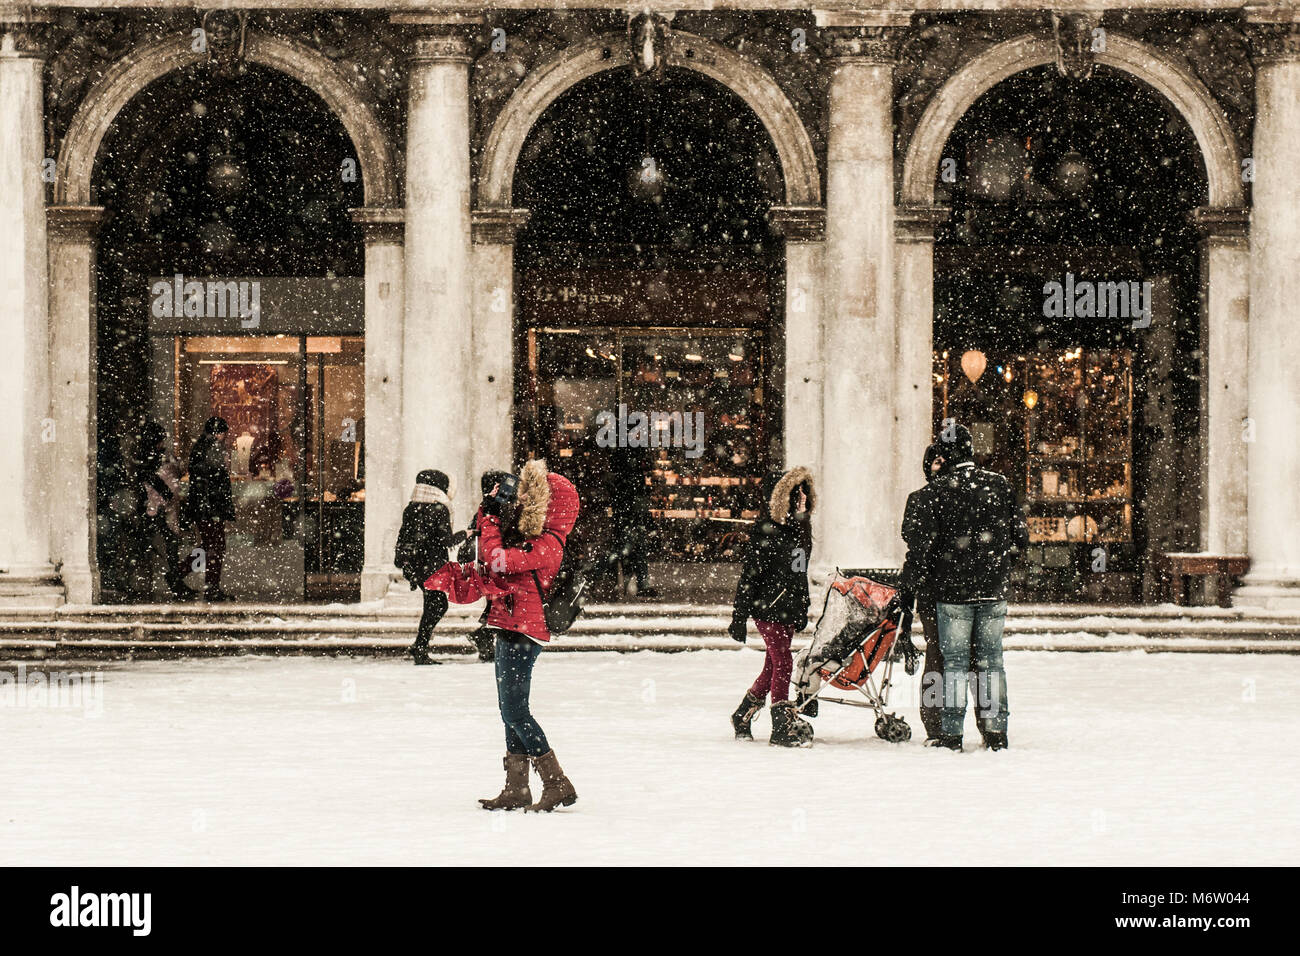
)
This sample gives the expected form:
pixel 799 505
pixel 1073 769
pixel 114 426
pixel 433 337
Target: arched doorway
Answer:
pixel 649 295
pixel 229 283
pixel 1068 321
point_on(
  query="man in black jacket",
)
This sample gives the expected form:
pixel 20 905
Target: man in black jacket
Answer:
pixel 932 672
pixel 964 531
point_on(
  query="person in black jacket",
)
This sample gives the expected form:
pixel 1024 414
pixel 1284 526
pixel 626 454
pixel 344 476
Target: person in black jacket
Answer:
pixel 210 503
pixel 483 638
pixel 158 477
pixel 633 527
pixel 773 590
pixel 422 544
pixel 932 670
pixel 964 531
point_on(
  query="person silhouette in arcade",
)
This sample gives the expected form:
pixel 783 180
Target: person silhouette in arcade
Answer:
pixel 211 502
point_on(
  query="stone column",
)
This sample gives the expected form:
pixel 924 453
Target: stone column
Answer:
pixel 1225 298
pixel 385 491
pixel 72 231
pixel 491 377
pixel 27 433
pixel 1273 449
pixel 436 339
pixel 862 513
pixel 914 311
pixel 804 229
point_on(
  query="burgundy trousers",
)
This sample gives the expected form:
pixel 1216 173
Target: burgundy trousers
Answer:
pixel 779 663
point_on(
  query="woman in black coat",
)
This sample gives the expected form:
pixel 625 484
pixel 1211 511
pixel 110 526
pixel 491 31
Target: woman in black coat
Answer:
pixel 422 545
pixel 773 590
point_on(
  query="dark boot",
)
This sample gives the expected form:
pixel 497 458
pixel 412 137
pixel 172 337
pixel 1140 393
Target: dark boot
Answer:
pixel 746 712
pixel 516 794
pixel 420 654
pixel 995 741
pixel 557 791
pixel 945 741
pixel 788 728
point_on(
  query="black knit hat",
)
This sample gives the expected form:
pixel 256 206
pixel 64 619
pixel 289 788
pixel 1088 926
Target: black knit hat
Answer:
pixel 955 443
pixel 932 452
pixel 490 478
pixel 431 476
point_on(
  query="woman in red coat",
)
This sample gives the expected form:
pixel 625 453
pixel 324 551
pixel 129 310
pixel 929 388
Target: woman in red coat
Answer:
pixel 547 508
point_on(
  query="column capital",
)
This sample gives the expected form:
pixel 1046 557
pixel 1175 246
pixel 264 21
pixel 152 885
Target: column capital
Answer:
pixel 1221 222
pixel 497 225
pixel 24 32
pixel 1273 33
pixel 798 223
pixel 917 223
pixel 73 223
pixel 381 223
pixel 444 37
pixel 868 36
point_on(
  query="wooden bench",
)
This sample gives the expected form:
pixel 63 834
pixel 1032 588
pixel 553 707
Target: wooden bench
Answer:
pixel 1179 566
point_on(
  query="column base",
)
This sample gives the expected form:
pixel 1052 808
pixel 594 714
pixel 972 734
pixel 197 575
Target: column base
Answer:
pixel 400 599
pixel 1267 591
pixel 30 588
pixel 80 585
pixel 377 582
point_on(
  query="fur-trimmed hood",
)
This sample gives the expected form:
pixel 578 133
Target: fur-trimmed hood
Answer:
pixel 778 502
pixel 534 496
pixel 547 501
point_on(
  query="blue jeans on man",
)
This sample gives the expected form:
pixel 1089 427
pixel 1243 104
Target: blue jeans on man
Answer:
pixel 970 637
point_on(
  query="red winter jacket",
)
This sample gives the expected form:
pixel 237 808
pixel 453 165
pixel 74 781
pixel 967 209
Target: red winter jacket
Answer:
pixel 512 568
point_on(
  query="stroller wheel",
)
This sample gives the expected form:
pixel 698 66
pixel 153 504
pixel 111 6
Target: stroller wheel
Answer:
pixel 893 728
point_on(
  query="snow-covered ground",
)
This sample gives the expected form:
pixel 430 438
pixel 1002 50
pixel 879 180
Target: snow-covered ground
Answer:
pixel 1120 758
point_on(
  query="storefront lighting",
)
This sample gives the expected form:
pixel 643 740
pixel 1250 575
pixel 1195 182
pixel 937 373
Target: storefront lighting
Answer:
pixel 734 357
pixel 1007 374
pixel 694 357
pixel 242 362
pixel 1031 399
pixel 973 363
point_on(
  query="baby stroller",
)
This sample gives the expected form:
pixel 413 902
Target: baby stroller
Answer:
pixel 855 633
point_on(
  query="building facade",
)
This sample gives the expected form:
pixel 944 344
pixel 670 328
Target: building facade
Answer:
pixel 378 238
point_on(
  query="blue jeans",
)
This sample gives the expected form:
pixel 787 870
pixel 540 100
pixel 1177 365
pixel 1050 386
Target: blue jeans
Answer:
pixel 515 657
pixel 970 637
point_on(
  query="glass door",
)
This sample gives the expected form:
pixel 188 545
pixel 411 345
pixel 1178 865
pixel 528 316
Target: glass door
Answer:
pixel 334 492
pixel 255 383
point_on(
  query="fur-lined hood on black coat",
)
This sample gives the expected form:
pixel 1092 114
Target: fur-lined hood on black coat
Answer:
pixel 773 583
pixel 779 498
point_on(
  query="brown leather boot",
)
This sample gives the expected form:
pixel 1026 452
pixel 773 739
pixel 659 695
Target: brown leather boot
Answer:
pixel 516 793
pixel 556 789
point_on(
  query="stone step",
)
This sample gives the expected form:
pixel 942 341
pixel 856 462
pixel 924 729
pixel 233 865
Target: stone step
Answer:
pixel 101 648
pixel 379 629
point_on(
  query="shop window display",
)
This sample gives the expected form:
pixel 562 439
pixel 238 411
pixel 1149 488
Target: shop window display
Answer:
pixel 295 407
pixel 684 407
pixel 1057 422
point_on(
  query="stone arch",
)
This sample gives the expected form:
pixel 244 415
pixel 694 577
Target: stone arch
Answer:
pixel 128 76
pixel 550 79
pixel 1189 96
